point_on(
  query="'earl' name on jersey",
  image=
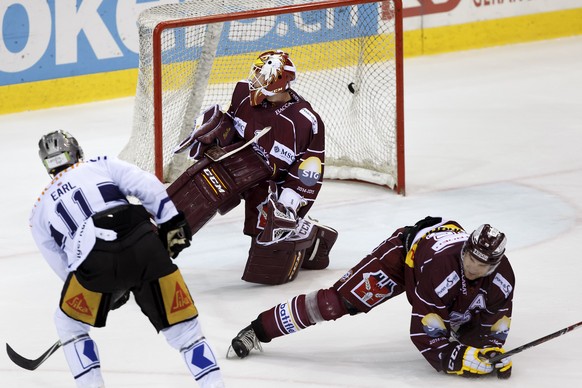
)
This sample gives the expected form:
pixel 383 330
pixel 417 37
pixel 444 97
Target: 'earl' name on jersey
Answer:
pixel 61 190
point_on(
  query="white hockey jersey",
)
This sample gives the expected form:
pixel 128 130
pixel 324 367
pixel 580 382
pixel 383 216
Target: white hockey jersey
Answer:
pixel 61 222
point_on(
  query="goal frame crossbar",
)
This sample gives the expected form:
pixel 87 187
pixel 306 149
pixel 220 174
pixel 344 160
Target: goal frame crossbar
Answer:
pixel 265 12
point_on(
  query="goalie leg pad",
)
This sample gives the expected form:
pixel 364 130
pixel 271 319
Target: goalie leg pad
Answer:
pixel 317 256
pixel 277 263
pixel 208 187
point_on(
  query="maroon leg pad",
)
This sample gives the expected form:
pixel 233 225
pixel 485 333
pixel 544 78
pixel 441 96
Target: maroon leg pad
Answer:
pixel 208 187
pixel 317 256
pixel 278 263
pixel 273 264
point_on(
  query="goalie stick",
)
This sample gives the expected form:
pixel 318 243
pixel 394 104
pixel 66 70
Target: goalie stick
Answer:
pixel 258 135
pixel 31 364
pixel 531 344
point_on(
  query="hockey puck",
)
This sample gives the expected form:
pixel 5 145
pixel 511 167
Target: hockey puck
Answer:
pixel 351 87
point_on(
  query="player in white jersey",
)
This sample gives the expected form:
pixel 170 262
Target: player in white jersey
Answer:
pixel 105 248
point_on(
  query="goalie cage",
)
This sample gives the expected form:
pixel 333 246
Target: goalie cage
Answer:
pixel 348 55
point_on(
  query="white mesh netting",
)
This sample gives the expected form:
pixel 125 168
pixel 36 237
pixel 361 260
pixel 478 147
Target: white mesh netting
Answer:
pixel 334 49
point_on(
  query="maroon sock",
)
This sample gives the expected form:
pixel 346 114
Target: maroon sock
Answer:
pixel 285 318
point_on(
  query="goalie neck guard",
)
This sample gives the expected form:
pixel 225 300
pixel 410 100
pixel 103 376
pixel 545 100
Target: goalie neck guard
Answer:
pixel 59 150
pixel 271 73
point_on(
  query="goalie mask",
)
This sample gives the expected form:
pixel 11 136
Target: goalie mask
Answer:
pixel 272 73
pixel 59 150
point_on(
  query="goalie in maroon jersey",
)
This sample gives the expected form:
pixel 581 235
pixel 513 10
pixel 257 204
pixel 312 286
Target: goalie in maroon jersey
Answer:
pixel 279 176
pixel 460 287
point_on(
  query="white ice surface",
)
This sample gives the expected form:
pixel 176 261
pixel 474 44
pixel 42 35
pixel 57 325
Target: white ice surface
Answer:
pixel 492 135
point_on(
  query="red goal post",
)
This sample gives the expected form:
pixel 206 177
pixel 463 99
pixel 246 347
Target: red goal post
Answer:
pixel 348 55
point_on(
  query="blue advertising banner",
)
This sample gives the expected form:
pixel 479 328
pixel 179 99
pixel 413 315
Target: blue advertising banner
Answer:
pixel 51 39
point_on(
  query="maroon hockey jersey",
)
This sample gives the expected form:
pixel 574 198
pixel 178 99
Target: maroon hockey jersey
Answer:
pixel 446 305
pixel 294 147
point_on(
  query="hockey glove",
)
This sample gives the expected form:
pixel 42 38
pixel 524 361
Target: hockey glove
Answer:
pixel 175 234
pixel 468 361
pixel 502 367
pixel 210 128
pixel 278 220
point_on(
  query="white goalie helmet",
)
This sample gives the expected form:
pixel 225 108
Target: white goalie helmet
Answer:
pixel 271 73
pixel 59 150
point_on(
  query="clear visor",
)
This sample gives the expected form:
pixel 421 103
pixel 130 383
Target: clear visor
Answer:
pixel 475 268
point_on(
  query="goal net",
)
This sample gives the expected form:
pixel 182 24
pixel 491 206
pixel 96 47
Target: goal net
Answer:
pixel 348 55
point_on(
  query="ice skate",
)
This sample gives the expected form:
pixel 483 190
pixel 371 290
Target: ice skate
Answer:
pixel 245 341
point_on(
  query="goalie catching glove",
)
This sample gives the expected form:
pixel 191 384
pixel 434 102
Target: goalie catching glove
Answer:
pixel 468 361
pixel 175 234
pixel 210 128
pixel 279 220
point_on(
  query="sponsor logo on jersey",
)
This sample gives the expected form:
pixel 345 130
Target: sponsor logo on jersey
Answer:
pixel 310 171
pixel 284 107
pixel 79 304
pixel 503 284
pixel 87 353
pixel 433 325
pixel 447 284
pixel 286 316
pixel 240 126
pixel 374 288
pixel 311 117
pixel 181 300
pixel 178 304
pixel 282 152
pixel 201 359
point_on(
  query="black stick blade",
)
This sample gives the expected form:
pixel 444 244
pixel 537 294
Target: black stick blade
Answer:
pixel 31 364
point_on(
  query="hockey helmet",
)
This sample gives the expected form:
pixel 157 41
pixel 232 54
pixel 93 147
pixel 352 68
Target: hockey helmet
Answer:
pixel 271 73
pixel 486 244
pixel 59 150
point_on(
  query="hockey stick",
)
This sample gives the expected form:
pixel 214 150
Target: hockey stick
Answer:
pixel 531 344
pixel 31 364
pixel 258 135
